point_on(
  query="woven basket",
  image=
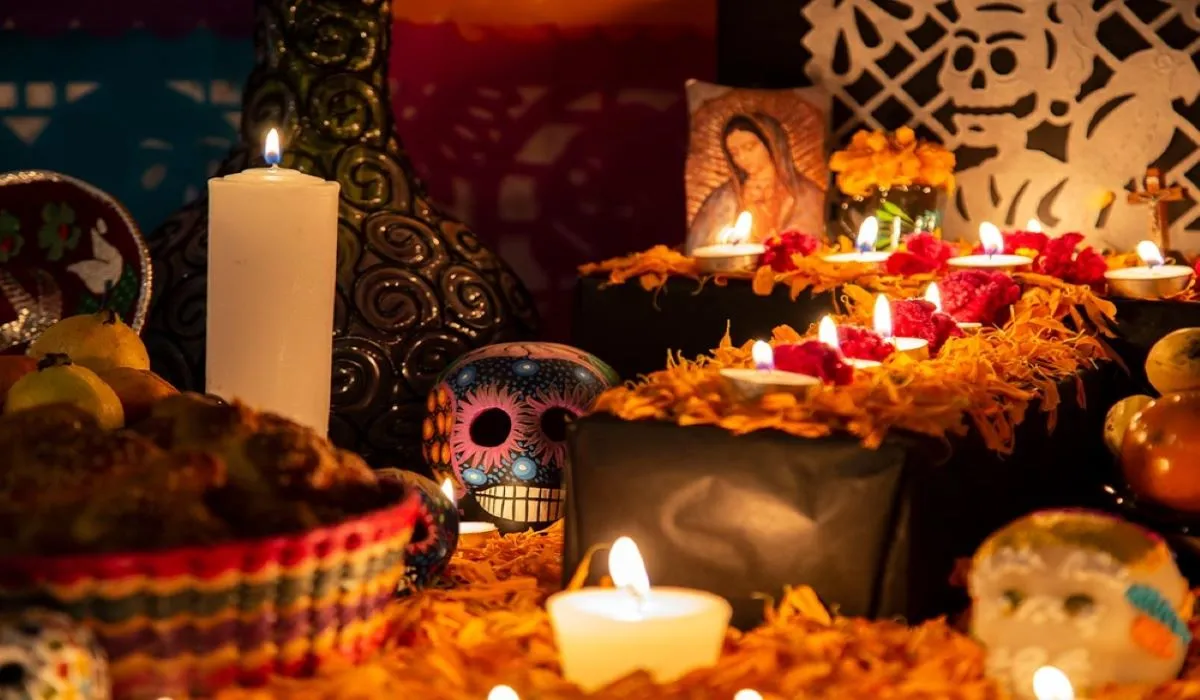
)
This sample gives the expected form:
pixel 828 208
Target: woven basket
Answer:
pixel 190 621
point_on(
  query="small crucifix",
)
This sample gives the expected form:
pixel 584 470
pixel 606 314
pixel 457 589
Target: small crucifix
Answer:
pixel 1157 196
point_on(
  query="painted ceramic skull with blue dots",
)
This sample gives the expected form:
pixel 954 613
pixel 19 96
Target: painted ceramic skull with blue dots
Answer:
pixel 497 427
pixel 46 655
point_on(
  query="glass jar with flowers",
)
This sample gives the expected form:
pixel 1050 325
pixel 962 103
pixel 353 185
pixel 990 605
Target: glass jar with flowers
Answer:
pixel 902 181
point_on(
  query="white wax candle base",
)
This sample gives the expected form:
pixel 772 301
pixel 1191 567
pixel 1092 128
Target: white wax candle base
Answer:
pixel 867 258
pixel 990 262
pixel 727 257
pixel 603 634
pixel 753 383
pixel 1149 282
pixel 969 326
pixel 474 533
pixel 862 364
pixel 914 348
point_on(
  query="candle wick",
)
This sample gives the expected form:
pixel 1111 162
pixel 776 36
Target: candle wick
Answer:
pixel 639 600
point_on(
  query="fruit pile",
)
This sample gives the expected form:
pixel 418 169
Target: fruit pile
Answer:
pixel 93 362
pixel 102 455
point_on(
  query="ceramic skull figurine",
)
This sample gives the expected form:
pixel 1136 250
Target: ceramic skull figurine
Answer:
pixel 435 534
pixel 1098 597
pixel 497 427
pixel 46 655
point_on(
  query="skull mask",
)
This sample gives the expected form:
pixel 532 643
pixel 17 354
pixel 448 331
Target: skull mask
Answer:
pixel 1097 597
pixel 497 428
pixel 1009 60
pixel 46 654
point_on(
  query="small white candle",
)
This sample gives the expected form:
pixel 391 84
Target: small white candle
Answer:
pixel 916 348
pixel 1034 226
pixel 895 232
pixel 732 251
pixel 933 295
pixel 606 634
pixel 503 692
pixel 993 257
pixel 472 532
pixel 1049 683
pixel 827 333
pixel 747 694
pixel 864 245
pixel 1154 280
pixel 764 378
pixel 272 265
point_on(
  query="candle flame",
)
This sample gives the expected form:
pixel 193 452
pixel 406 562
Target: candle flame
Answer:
pixel 883 316
pixel 448 489
pixel 739 232
pixel 895 232
pixel 271 152
pixel 626 567
pixel 990 238
pixel 933 295
pixel 827 332
pixel 747 694
pixel 503 692
pixel 868 231
pixel 1034 225
pixel 1049 683
pixel 1150 254
pixel 763 355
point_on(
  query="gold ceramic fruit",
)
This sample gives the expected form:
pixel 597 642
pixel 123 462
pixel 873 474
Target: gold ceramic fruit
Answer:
pixel 98 341
pixel 58 380
pixel 1158 455
pixel 1173 364
pixel 138 390
pixel 1117 420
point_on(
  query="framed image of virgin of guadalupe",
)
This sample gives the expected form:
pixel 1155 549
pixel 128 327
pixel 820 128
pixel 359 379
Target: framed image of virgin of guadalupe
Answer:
pixel 756 151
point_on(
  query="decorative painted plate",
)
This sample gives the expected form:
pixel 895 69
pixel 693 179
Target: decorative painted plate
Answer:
pixel 65 248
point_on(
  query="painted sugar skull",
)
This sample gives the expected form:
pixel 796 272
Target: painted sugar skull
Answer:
pixel 435 534
pixel 497 427
pixel 46 655
pixel 1093 595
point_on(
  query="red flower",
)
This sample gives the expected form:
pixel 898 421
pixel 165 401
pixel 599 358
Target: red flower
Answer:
pixel 917 318
pixel 816 359
pixel 980 296
pixel 863 343
pixel 1060 259
pixel 781 248
pixel 1196 267
pixel 926 253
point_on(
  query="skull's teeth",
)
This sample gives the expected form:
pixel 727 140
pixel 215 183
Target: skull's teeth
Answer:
pixel 523 504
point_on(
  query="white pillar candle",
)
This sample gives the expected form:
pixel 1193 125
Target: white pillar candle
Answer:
pixel 272 265
pixel 606 634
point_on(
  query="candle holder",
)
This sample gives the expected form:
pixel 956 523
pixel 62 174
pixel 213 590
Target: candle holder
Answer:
pixel 717 259
pixel 753 384
pixel 1149 282
pixel 415 288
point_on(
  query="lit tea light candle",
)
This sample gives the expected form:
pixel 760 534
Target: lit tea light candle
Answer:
pixel 732 252
pixel 470 532
pixel 503 692
pixel 272 266
pixel 747 694
pixel 606 634
pixel 1154 280
pixel 933 295
pixel 915 348
pixel 827 333
pixel 764 378
pixel 1049 683
pixel 1033 226
pixel 864 246
pixel 993 256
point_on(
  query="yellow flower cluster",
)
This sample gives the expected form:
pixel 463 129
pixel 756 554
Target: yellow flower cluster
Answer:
pixel 876 161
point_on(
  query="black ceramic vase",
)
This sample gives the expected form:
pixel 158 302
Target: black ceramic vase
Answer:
pixel 416 289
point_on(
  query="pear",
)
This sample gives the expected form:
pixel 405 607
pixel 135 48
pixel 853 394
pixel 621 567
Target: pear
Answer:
pixel 138 389
pixel 58 380
pixel 98 341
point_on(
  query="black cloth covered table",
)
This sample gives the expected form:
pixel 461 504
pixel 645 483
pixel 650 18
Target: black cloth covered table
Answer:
pixel 874 532
pixel 1140 324
pixel 632 329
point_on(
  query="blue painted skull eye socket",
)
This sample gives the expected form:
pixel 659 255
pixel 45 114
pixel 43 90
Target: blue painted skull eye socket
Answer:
pixel 474 477
pixel 525 368
pixel 524 468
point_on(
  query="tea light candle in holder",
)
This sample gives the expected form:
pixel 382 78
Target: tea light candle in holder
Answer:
pixel 606 634
pixel 750 384
pixel 864 245
pixel 827 333
pixel 1050 683
pixel 1153 280
pixel 933 295
pixel 731 252
pixel 914 348
pixel 472 533
pixel 993 256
